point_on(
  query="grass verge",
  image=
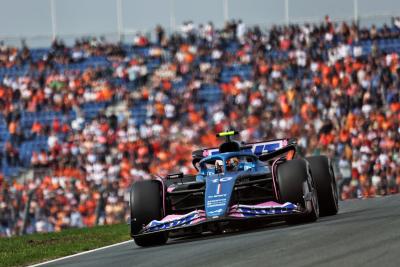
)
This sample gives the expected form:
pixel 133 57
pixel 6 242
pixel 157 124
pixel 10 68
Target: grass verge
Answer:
pixel 35 248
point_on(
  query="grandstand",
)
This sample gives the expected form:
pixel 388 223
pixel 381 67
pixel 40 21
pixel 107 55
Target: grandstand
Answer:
pixel 79 124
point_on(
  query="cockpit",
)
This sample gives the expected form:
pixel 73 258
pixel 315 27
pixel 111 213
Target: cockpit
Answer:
pixel 228 163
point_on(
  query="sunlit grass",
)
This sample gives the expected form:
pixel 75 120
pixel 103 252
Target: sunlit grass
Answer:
pixel 29 249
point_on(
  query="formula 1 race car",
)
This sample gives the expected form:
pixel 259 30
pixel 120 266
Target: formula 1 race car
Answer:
pixel 236 184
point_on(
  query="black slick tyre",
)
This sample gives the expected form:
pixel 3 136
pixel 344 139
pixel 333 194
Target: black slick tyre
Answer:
pixel 146 204
pixel 296 186
pixel 325 182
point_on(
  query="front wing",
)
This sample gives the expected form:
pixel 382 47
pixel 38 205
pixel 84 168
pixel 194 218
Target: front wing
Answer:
pixel 264 210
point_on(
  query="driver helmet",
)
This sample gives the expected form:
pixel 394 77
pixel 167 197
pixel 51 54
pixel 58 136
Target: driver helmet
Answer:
pixel 218 166
pixel 232 164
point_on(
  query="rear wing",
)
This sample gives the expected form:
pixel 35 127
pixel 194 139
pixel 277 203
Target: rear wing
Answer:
pixel 257 148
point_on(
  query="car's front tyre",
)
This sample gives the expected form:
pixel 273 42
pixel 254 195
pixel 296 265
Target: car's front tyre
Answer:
pixel 146 204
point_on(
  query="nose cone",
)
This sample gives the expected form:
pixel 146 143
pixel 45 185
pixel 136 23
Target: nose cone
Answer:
pixel 218 194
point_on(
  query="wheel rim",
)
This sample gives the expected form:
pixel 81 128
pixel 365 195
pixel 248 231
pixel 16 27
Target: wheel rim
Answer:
pixel 314 201
pixel 334 188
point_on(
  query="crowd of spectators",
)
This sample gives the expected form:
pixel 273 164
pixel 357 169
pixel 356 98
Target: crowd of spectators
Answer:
pixel 333 86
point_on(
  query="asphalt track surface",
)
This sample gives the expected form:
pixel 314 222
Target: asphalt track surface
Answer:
pixel 364 233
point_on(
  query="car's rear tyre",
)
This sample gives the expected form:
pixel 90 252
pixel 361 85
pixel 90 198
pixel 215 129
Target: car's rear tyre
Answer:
pixel 296 186
pixel 146 204
pixel 325 182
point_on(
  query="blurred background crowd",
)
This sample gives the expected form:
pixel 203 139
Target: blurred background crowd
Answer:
pixel 79 124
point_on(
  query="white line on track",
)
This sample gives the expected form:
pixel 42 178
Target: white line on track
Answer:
pixel 81 253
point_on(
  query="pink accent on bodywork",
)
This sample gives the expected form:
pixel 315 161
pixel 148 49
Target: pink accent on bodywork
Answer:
pixel 236 215
pixel 233 212
pixel 269 203
pixel 273 178
pixel 173 217
pixel 170 189
pixel 284 142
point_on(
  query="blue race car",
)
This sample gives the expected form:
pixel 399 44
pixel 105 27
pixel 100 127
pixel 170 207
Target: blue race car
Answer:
pixel 236 184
